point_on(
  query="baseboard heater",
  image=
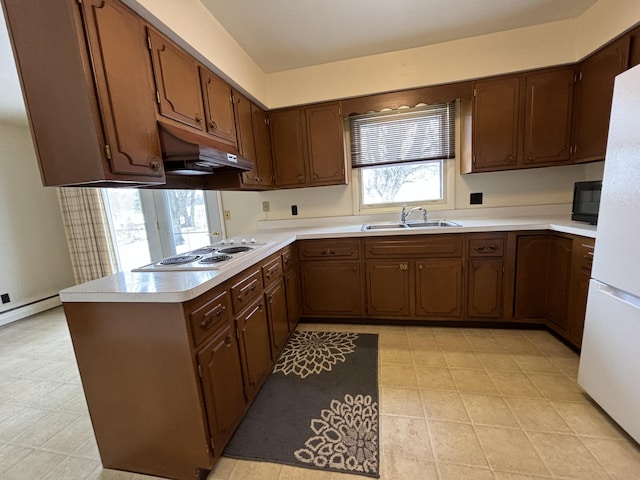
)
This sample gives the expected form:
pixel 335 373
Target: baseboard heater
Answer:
pixel 27 309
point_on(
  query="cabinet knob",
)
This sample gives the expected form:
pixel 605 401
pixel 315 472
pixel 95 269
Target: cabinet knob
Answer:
pixel 404 266
pixel 476 266
pixel 227 340
pixel 420 267
pixel 213 124
pixel 155 166
pixel 197 118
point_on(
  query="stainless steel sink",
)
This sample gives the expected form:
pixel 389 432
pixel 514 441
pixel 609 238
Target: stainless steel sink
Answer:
pixel 399 226
pixel 432 223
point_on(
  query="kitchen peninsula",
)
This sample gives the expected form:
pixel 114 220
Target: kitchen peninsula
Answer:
pixel 170 361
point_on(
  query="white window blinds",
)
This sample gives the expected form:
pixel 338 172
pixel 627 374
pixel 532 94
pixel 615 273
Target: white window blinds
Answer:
pixel 405 135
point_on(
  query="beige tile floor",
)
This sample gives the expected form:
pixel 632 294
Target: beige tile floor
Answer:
pixel 455 404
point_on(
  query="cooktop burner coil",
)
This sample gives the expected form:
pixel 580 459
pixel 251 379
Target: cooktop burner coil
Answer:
pixel 235 249
pixel 203 251
pixel 180 260
pixel 215 259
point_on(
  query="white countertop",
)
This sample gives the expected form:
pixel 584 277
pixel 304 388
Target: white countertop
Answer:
pixel 176 287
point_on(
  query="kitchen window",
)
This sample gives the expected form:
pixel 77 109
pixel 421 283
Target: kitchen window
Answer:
pixel 404 156
pixel 148 225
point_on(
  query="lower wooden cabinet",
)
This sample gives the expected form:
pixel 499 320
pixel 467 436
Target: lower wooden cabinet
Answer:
pixel 331 278
pixel 331 288
pixel 222 385
pixel 580 276
pixel 439 288
pixel 558 281
pixel 552 280
pixel 388 287
pixel 485 272
pixel 292 290
pixel 276 303
pixel 484 287
pixel 255 347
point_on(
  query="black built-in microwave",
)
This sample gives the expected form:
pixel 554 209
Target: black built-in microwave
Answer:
pixel 586 201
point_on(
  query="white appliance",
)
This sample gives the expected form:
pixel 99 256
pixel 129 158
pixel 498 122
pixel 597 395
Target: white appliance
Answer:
pixel 610 358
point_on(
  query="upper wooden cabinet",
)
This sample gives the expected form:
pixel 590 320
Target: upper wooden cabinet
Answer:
pixel 254 143
pixel 190 94
pixel 93 121
pixel 634 47
pixel 308 146
pixel 288 147
pixel 547 117
pixel 220 120
pixel 594 93
pixel 522 121
pixel 177 81
pixel 496 117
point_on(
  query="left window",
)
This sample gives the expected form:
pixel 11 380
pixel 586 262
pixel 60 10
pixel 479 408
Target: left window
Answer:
pixel 148 225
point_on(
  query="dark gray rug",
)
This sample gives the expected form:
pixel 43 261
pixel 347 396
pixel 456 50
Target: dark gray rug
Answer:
pixel 318 408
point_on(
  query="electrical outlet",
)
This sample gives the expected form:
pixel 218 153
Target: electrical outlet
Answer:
pixel 475 199
pixel 5 298
pixel 265 206
pixel 294 209
pixel 227 214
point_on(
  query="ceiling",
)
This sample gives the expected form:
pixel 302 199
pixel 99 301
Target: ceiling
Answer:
pixel 285 34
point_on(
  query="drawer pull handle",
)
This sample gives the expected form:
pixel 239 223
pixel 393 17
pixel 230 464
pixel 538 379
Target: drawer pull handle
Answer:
pixel 589 255
pixel 486 248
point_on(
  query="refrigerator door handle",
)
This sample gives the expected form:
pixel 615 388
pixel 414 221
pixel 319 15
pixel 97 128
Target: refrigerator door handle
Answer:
pixel 621 295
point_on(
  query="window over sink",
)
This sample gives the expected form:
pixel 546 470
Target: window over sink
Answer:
pixel 404 156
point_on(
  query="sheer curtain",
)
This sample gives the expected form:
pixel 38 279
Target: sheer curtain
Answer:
pixel 88 233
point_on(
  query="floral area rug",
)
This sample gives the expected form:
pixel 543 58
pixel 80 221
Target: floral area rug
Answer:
pixel 319 407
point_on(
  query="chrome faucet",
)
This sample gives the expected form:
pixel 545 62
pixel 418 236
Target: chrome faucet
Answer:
pixel 405 214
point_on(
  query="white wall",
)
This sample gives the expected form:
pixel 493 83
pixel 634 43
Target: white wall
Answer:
pixel 503 52
pixel 35 259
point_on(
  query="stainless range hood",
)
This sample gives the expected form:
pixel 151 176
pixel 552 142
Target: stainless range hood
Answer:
pixel 189 153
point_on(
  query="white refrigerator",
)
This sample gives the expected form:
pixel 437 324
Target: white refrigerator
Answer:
pixel 610 359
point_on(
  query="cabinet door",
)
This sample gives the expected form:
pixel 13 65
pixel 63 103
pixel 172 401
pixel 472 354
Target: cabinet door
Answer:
pixel 292 289
pixel 325 143
pixel 246 137
pixel 484 295
pixel 222 385
pixel 116 38
pixel 177 81
pixel 496 113
pixel 594 93
pixel 532 258
pixel 255 346
pixel 276 301
pixel 331 288
pixel 558 280
pixel 218 107
pixel 634 48
pixel 289 149
pixel 580 276
pixel 548 112
pixel 262 137
pixel 388 288
pixel 439 288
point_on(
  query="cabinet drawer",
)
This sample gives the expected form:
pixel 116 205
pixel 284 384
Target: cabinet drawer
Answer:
pixel 289 257
pixel 486 245
pixel 271 271
pixel 425 246
pixel 585 253
pixel 207 318
pixel 319 249
pixel 245 290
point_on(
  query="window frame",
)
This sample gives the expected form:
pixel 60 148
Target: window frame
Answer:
pixel 449 166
